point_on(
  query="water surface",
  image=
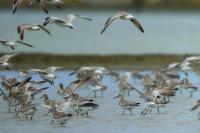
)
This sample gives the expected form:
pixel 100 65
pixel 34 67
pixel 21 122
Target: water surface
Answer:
pixel 175 117
pixel 165 32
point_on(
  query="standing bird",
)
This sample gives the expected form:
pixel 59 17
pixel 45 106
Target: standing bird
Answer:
pixel 125 104
pixel 123 16
pixel 30 27
pixel 4 61
pixel 66 22
pixel 12 44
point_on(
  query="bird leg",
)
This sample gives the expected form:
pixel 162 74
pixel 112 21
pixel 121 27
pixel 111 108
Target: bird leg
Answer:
pixel 101 92
pixel 191 93
pixel 150 110
pixel 27 117
pixel 131 111
pixel 32 116
pixel 143 112
pixel 158 110
pixel 123 112
pixel 95 94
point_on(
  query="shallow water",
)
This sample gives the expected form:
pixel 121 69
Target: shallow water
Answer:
pixel 165 32
pixel 175 117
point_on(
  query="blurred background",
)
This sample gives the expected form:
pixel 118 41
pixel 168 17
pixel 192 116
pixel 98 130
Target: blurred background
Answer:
pixel 171 32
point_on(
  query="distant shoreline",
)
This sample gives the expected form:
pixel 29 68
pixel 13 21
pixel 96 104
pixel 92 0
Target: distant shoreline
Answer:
pixel 26 61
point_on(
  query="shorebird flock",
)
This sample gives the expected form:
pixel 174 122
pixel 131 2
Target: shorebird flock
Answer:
pixel 21 94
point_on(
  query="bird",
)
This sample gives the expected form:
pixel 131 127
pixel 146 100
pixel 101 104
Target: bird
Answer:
pixel 56 3
pixel 89 71
pixel 82 105
pixel 66 22
pixel 4 61
pixel 15 5
pixel 183 65
pixel 42 4
pixel 27 110
pixel 12 44
pixel 123 16
pixel 46 74
pixel 189 86
pixel 125 104
pixel 30 27
pixel 60 116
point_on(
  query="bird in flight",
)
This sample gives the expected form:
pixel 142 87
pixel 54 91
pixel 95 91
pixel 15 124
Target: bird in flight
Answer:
pixel 123 16
pixel 66 22
pixel 30 27
pixel 12 44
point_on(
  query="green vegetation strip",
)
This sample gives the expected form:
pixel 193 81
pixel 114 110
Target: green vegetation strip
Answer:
pixel 25 61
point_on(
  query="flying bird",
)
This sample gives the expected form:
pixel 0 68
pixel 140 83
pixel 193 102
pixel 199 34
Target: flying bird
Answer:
pixel 16 5
pixel 42 4
pixel 123 16
pixel 30 27
pixel 66 22
pixel 12 44
pixel 4 60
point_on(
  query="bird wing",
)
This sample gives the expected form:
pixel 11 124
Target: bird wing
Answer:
pixel 50 20
pixel 195 106
pixel 137 24
pixel 69 18
pixel 22 83
pixel 4 94
pixel 39 71
pixel 44 29
pixel 110 20
pixel 82 17
pixel 52 69
pixel 192 58
pixel 2 41
pixel 24 43
pixel 43 5
pixel 5 58
pixel 16 4
pixel 21 28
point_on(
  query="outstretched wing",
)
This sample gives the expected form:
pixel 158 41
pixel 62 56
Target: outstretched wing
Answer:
pixel 5 58
pixel 82 17
pixel 69 18
pixel 110 20
pixel 24 43
pixel 16 4
pixel 42 5
pixel 44 29
pixel 137 24
pixel 2 41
